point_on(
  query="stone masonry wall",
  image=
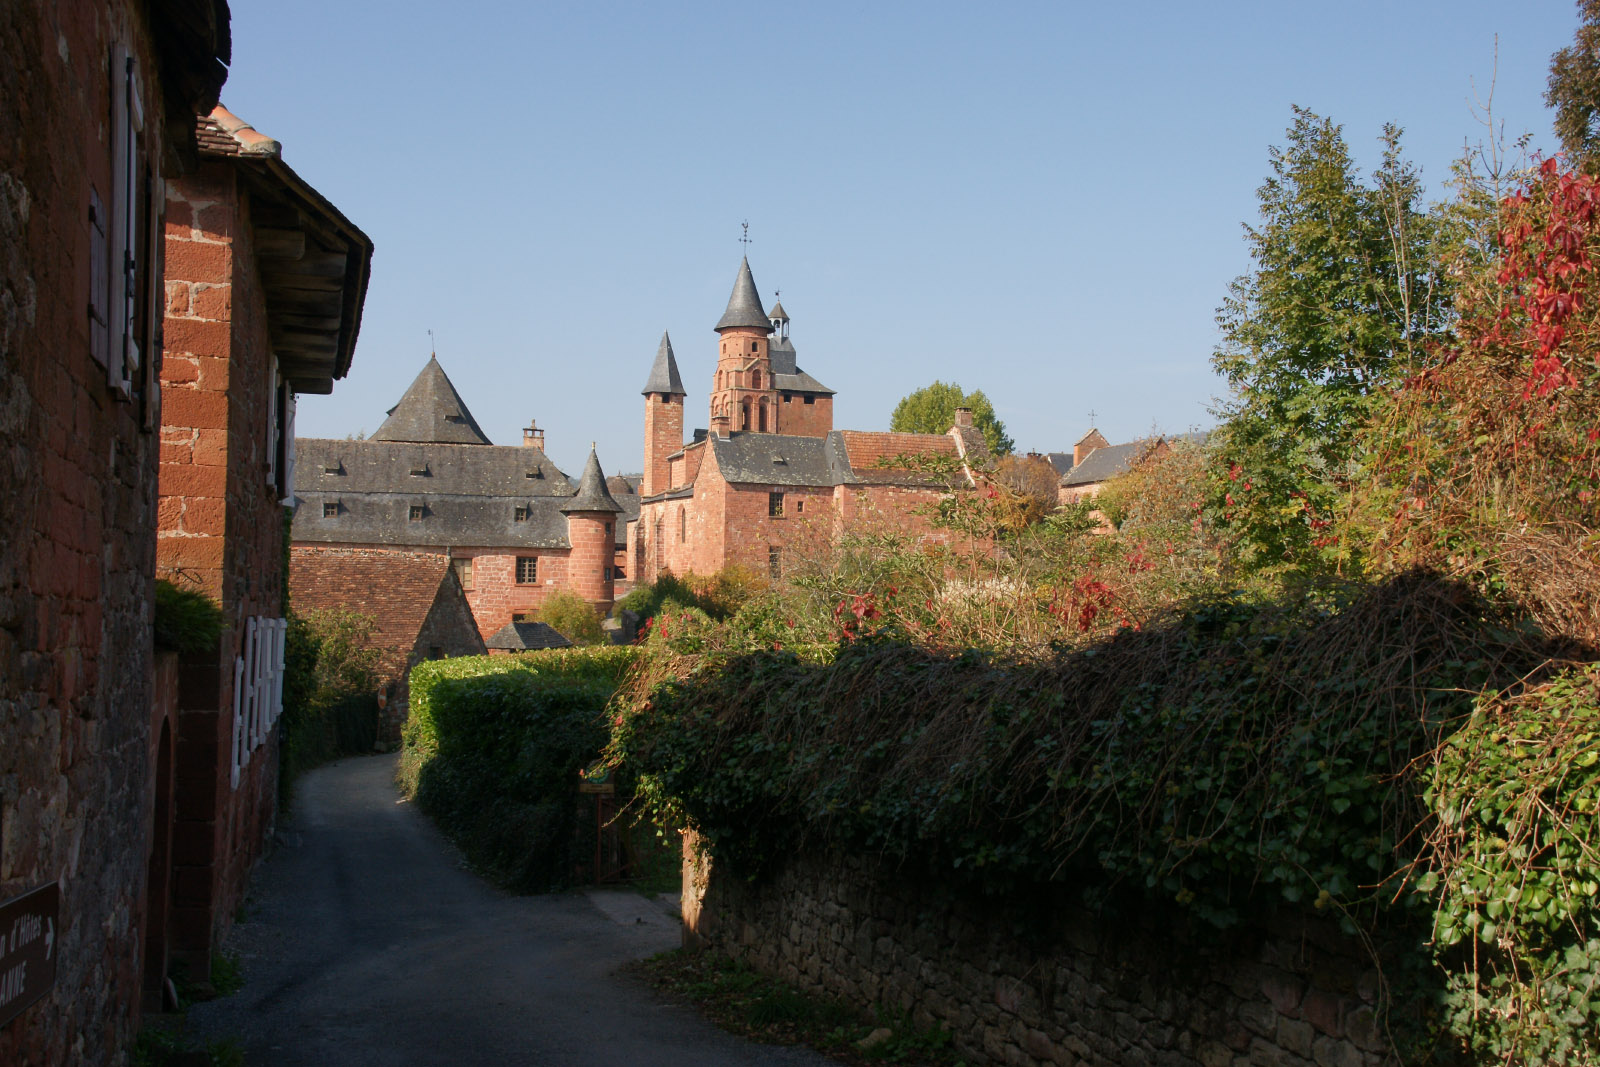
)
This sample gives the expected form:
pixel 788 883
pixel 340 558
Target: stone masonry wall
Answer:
pixel 221 529
pixel 78 520
pixel 496 596
pixel 801 419
pixel 1057 985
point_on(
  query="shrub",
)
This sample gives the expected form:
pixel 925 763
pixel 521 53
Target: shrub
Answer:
pixel 330 704
pixel 719 595
pixel 186 620
pixel 573 618
pixel 1403 757
pixel 493 749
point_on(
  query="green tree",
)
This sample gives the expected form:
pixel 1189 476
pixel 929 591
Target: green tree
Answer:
pixel 572 617
pixel 1346 293
pixel 1574 90
pixel 932 409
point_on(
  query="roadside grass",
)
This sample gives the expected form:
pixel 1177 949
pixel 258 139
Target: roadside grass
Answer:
pixel 162 1041
pixel 163 1047
pixel 745 1002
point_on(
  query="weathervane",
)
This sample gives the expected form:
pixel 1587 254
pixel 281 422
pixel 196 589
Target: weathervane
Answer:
pixel 745 239
pixel 1091 418
pixel 433 346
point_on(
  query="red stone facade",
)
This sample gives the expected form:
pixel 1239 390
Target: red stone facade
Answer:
pixel 414 600
pixel 494 591
pixel 663 435
pixel 79 452
pixel 221 530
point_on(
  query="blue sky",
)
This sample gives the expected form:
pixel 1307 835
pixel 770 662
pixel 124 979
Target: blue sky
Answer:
pixel 1043 201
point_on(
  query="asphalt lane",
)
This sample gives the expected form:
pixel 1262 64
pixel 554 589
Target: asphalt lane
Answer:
pixel 368 942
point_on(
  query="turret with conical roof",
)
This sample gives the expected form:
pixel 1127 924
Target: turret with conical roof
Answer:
pixel 592 494
pixel 664 372
pixel 744 305
pixel 663 419
pixel 591 531
pixel 743 389
pixel 431 412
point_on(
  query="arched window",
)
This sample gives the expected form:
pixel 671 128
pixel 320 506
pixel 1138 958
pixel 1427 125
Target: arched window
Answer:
pixel 746 424
pixel 755 379
pixel 763 424
pixel 683 525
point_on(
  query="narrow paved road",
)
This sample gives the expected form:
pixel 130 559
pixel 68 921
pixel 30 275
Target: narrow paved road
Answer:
pixel 367 942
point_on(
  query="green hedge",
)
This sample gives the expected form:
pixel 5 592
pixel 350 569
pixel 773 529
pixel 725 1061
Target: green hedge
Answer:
pixel 492 750
pixel 1245 756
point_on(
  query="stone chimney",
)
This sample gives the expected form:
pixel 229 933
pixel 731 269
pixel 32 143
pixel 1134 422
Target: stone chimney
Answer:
pixel 719 426
pixel 532 436
pixel 963 417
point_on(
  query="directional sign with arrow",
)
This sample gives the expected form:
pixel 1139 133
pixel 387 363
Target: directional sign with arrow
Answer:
pixel 27 948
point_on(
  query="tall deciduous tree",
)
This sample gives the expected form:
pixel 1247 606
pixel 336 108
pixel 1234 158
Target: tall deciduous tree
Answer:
pixel 1345 294
pixel 1574 90
pixel 932 409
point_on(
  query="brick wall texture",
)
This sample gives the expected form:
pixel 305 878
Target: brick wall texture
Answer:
pixel 1058 986
pixel 221 529
pixel 78 515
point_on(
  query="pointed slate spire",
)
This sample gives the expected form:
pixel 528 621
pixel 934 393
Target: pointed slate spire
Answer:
pixel 592 492
pixel 664 372
pixel 744 306
pixel 777 314
pixel 432 412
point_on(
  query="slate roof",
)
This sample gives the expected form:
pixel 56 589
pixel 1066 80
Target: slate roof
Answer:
pixel 744 305
pixel 522 636
pixel 625 491
pixel 778 313
pixel 397 589
pixel 431 411
pixel 664 376
pixel 1103 463
pixel 592 493
pixel 447 520
pixel 786 375
pixel 780 459
pixel 385 467
pixel 1061 461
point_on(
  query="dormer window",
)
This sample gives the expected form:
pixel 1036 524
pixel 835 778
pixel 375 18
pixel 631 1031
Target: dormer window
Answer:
pixel 420 472
pixel 454 418
pixel 520 514
pixel 330 509
pixel 535 472
pixel 417 512
pixel 333 468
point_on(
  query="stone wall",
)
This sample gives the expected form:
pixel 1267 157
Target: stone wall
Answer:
pixel 78 552
pixel 1054 983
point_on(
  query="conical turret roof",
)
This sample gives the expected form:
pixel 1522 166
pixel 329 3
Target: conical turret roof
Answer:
pixel 431 412
pixel 592 492
pixel 744 306
pixel 664 372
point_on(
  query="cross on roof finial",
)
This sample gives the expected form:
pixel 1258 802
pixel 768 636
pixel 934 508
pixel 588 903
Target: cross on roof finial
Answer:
pixel 745 239
pixel 1091 418
pixel 433 346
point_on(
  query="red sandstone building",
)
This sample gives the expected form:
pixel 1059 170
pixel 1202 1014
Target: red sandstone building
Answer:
pixel 99 106
pixel 514 527
pixel 771 463
pixel 264 288
pixel 416 605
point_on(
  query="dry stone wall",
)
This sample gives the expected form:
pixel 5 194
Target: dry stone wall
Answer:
pixel 1055 983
